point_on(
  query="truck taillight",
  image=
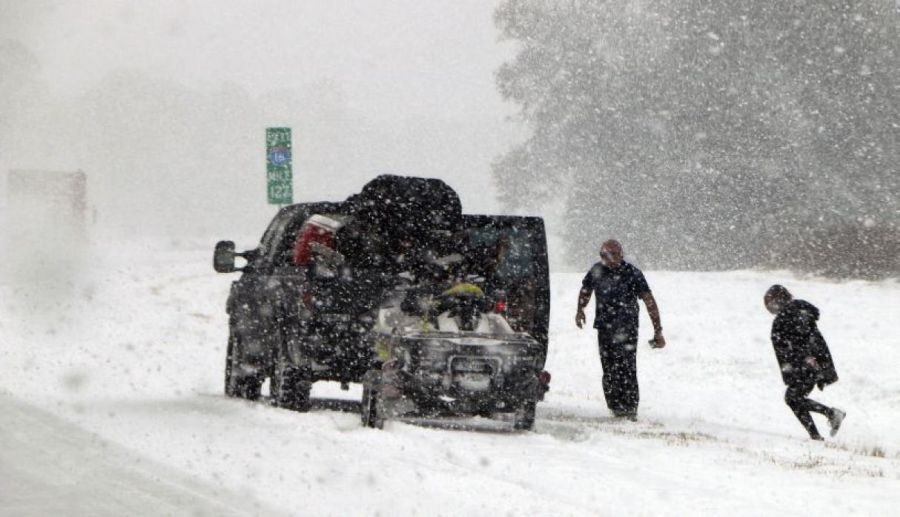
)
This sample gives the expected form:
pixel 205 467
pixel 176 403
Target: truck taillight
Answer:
pixel 317 232
pixel 500 304
pixel 544 377
pixel 308 300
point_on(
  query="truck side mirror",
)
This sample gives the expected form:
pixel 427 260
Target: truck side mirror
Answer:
pixel 223 258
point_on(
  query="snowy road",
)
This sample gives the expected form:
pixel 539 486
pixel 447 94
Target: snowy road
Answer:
pixel 113 406
pixel 51 467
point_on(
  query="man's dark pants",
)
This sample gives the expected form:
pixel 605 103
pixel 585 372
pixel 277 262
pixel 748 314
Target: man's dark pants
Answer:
pixel 618 357
pixel 795 397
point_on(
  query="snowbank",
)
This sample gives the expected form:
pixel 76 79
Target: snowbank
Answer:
pixel 132 349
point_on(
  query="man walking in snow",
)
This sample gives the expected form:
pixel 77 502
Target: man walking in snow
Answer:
pixel 803 356
pixel 617 285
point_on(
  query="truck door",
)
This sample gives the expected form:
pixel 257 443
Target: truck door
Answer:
pixel 511 254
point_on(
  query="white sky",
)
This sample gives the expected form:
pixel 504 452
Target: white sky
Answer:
pixel 413 55
pixel 408 69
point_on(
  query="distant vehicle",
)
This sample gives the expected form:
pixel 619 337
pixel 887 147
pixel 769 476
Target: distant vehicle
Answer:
pixel 453 354
pixel 309 295
pixel 49 203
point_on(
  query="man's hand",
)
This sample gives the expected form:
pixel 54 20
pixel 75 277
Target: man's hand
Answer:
pixel 584 296
pixel 811 362
pixel 659 339
pixel 653 311
pixel 579 317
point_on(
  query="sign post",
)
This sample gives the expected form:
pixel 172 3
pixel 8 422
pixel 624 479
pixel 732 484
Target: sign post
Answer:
pixel 279 176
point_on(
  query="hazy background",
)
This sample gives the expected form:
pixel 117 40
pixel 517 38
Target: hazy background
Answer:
pixel 704 135
pixel 164 104
pixel 711 134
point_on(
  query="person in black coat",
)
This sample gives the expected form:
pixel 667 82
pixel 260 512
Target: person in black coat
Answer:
pixel 803 356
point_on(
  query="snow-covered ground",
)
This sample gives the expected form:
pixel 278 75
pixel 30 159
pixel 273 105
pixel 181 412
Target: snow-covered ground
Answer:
pixel 111 404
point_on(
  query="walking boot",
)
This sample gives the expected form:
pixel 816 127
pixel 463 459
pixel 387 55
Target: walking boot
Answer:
pixel 837 416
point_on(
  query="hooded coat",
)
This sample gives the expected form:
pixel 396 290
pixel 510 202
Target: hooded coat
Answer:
pixel 796 337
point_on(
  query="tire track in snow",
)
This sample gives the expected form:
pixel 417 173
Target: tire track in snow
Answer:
pixel 829 458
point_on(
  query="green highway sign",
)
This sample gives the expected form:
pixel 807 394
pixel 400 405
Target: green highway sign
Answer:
pixel 279 178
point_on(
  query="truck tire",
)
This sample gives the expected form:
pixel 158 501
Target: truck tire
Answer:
pixel 370 409
pixel 238 385
pixel 290 389
pixel 524 418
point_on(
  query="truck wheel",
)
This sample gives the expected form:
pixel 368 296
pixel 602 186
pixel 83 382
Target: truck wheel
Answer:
pixel 370 412
pixel 237 385
pixel 524 420
pixel 290 390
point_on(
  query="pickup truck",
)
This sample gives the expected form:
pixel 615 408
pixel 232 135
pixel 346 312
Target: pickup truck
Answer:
pixel 307 299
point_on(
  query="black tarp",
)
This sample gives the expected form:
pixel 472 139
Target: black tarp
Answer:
pixel 397 216
pixel 408 206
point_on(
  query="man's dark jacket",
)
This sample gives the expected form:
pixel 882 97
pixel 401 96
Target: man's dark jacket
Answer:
pixel 796 337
